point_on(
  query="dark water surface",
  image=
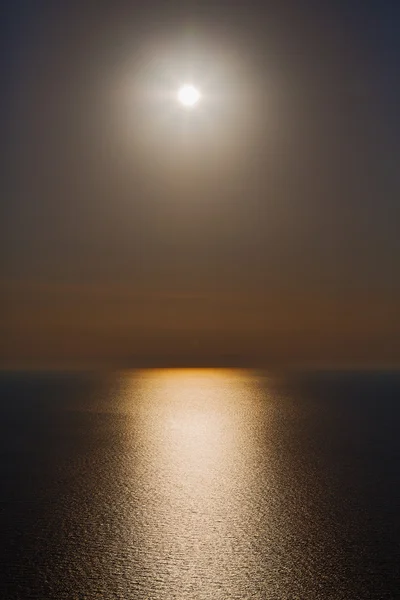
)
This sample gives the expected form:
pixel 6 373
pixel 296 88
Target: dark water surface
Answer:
pixel 200 485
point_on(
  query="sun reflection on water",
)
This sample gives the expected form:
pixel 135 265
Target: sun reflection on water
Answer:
pixel 197 441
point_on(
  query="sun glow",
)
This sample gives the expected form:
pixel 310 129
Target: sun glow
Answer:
pixel 188 95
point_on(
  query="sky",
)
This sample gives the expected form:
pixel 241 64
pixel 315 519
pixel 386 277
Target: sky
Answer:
pixel 260 229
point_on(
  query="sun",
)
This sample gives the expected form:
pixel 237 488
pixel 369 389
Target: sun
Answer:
pixel 188 95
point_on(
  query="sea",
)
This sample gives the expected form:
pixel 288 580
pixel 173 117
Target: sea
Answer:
pixel 200 484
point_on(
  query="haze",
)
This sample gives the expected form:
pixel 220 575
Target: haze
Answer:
pixel 259 228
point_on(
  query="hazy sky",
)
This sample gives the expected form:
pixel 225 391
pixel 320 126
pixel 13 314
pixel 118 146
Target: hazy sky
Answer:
pixel 264 225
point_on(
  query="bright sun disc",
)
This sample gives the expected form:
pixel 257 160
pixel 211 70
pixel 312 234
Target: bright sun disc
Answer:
pixel 188 95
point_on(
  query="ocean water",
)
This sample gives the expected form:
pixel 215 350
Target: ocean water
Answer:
pixel 200 484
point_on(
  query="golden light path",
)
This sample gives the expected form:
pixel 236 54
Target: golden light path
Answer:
pixel 196 463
